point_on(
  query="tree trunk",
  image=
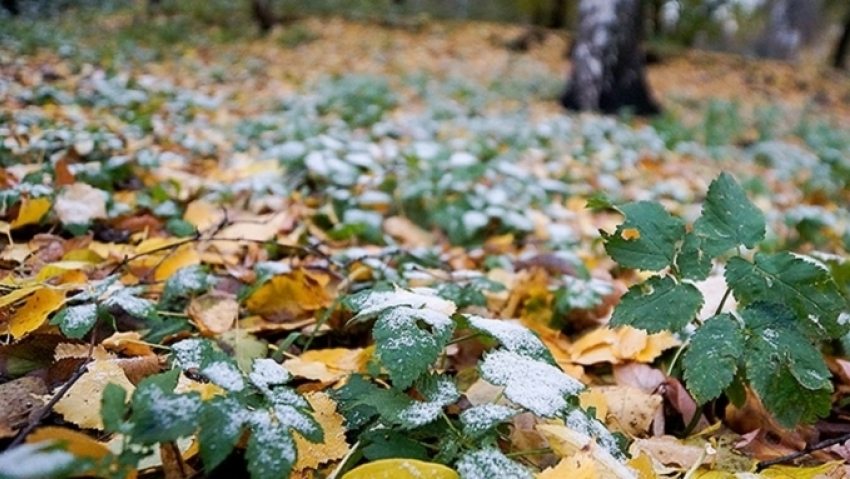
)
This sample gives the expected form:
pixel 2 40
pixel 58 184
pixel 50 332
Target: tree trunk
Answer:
pixel 839 60
pixel 263 14
pixel 11 6
pixel 608 72
pixel 558 14
pixel 791 24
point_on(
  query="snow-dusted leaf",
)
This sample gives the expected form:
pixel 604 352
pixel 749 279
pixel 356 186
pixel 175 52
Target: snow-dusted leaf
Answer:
pixel 187 280
pixel 437 392
pixel 128 300
pixel 159 414
pixel 479 420
pixel 79 204
pixel 490 463
pixel 223 372
pixel 222 422
pixel 539 387
pixel 76 321
pixel 371 303
pixel 513 337
pixel 267 373
pixel 271 450
pixel 190 353
pixel 409 340
pixel 39 460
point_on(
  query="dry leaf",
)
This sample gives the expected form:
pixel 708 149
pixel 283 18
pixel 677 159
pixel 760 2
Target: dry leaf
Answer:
pixel 31 212
pixel 630 410
pixel 213 313
pixel 80 203
pixel 18 398
pixel 401 469
pixel 671 452
pixel 567 442
pixel 35 311
pixel 81 404
pixel 186 255
pixel 289 296
pixel 311 455
pixel 578 466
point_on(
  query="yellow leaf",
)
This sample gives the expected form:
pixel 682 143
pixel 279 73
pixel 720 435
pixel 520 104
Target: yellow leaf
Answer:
pixel 185 255
pixel 81 404
pixel 595 399
pixel 34 312
pixel 830 469
pixel 289 296
pixel 59 267
pixel 578 466
pixel 401 469
pixel 642 463
pixel 77 443
pixel 566 442
pixel 704 473
pixel 18 294
pixel 31 212
pixel 311 455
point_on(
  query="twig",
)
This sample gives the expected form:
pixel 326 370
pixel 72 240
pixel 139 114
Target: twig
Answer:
pixel 36 420
pixel 805 452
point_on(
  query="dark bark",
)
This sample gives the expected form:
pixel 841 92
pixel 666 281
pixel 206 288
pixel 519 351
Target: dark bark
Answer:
pixel 608 72
pixel 263 14
pixel 839 59
pixel 11 6
pixel 558 14
pixel 791 25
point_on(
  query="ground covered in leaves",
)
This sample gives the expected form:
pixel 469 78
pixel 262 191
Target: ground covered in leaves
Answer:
pixel 274 196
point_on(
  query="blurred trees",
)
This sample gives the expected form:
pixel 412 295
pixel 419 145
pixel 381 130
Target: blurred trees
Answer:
pixel 608 61
pixel 791 25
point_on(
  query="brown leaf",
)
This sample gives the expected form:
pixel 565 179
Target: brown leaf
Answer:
pixel 18 398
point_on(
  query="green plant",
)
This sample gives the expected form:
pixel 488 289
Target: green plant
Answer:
pixel 402 410
pixel 787 304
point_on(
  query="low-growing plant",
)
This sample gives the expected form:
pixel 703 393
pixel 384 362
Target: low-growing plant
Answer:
pixel 787 304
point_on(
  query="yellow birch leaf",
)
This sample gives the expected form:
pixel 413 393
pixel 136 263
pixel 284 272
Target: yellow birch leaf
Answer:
pixel 75 442
pixel 578 466
pixel 59 267
pixel 31 212
pixel 595 399
pixel 401 469
pixel 185 255
pixel 34 312
pixel 642 463
pixel 213 313
pixel 289 296
pixel 829 470
pixel 312 455
pixel 17 294
pixel 81 404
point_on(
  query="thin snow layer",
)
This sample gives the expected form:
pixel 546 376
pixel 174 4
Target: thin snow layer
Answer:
pixel 29 461
pixel 399 318
pixel 267 372
pixel 490 463
pixel 534 385
pixel 421 413
pixel 579 421
pixel 275 443
pixel 479 419
pixel 169 409
pixel 224 374
pixel 421 298
pixel 189 278
pixel 188 353
pixel 135 306
pixel 79 316
pixel 512 336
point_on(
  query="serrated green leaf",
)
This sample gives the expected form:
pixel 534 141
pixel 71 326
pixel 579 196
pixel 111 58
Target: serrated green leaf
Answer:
pixel 539 387
pixel 711 360
pixel 479 420
pixel 409 340
pixel 437 392
pixel 160 415
pixel 784 367
pixel 185 281
pixel 728 218
pixel 356 413
pixel 371 303
pixel 190 353
pixel 113 407
pixel 737 390
pixel 513 337
pixel 271 450
pixel 221 426
pixel 647 239
pixel 658 304
pixel 293 411
pixel 804 286
pixel 76 321
pixel 127 299
pixel 490 462
pixel 692 261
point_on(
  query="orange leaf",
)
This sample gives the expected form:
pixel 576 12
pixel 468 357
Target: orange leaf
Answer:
pixel 290 296
pixel 34 312
pixel 311 455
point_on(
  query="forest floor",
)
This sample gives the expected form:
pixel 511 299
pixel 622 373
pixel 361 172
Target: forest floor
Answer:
pixel 170 185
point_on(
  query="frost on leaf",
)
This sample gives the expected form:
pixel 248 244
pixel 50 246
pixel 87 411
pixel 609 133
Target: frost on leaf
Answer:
pixel 536 386
pixel 187 280
pixel 268 373
pixel 409 340
pixel 513 337
pixel 36 460
pixel 126 299
pixel 438 392
pixel 159 414
pixel 221 422
pixel 480 420
pixel 489 463
pixel 271 450
pixel 76 321
pixel 190 353
pixel 371 303
pixel 224 374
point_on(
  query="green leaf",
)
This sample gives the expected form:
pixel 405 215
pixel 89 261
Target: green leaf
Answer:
pixel 160 415
pixel 293 411
pixel 221 425
pixel 802 285
pixel 271 451
pixel 692 261
pixel 480 420
pixel 711 360
pixel 490 462
pixel 356 413
pixel 76 321
pixel 437 392
pixel 599 201
pixel 113 407
pixel 390 444
pixel 647 239
pixel 513 337
pixel 737 390
pixel 539 387
pixel 658 304
pixel 185 281
pixel 409 340
pixel 784 367
pixel 127 299
pixel 47 459
pixel 728 218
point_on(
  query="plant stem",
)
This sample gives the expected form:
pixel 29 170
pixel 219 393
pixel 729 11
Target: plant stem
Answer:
pixel 723 301
pixel 531 452
pixel 464 338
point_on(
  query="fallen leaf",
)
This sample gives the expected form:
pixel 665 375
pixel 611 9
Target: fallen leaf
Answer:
pixel 31 212
pixel 401 469
pixel 578 466
pixel 289 296
pixel 333 446
pixel 35 310
pixel 80 203
pixel 185 255
pixel 81 404
pixel 18 398
pixel 213 313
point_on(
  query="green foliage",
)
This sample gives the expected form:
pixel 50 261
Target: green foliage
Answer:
pixel 411 331
pixel 358 100
pixel 787 304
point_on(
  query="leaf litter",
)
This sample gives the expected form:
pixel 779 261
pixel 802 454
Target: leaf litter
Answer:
pixel 292 197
